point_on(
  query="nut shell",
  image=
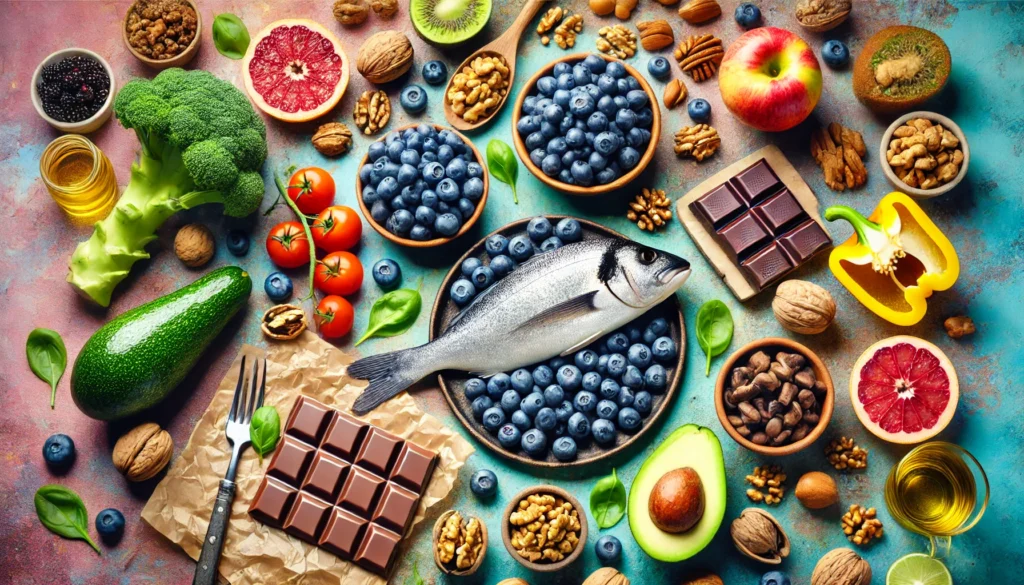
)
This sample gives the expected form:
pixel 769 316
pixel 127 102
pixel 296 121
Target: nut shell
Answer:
pixel 283 322
pixel 803 307
pixel 758 535
pixel 841 566
pixel 143 452
pixel 384 57
pixel 332 139
pixel 606 576
pixel 817 490
pixel 822 15
pixel 449 568
pixel 193 245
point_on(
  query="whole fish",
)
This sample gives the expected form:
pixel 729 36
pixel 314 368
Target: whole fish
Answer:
pixel 555 303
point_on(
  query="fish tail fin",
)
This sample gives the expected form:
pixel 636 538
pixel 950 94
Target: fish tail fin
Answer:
pixel 388 374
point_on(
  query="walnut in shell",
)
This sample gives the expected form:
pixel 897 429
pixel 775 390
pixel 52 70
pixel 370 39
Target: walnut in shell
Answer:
pixel 384 8
pixel 283 322
pixel 143 452
pixel 606 576
pixel 803 307
pixel 351 12
pixel 459 544
pixel 841 566
pixel 384 57
pixel 758 535
pixel 193 245
pixel 332 139
pixel 822 15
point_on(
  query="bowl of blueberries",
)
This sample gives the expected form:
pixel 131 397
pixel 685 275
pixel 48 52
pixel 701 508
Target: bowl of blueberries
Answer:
pixel 422 185
pixel 570 410
pixel 586 124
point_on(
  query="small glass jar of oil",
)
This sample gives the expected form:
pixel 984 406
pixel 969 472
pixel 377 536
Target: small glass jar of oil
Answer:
pixel 79 177
pixel 938 490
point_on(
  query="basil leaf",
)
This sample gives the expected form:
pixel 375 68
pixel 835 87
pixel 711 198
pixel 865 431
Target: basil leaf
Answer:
pixel 608 501
pixel 501 160
pixel 230 36
pixel 62 512
pixel 714 329
pixel 393 314
pixel 264 430
pixel 47 357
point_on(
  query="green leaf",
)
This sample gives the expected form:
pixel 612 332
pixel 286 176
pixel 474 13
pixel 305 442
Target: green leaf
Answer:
pixel 608 501
pixel 47 357
pixel 264 430
pixel 62 512
pixel 714 329
pixel 230 36
pixel 393 314
pixel 501 160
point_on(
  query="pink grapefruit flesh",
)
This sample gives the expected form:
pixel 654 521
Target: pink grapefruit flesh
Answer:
pixel 904 389
pixel 295 70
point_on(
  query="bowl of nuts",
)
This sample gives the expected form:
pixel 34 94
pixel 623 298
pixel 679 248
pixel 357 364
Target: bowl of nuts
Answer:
pixel 774 396
pixel 924 154
pixel 555 512
pixel 459 544
pixel 162 33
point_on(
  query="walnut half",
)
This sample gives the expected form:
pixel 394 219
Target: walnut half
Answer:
pixel 373 110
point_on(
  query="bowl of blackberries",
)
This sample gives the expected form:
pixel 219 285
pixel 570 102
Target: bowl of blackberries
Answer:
pixel 73 90
pixel 422 185
pixel 586 124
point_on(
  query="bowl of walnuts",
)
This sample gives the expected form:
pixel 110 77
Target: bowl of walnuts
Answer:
pixel 924 154
pixel 552 510
pixel 162 33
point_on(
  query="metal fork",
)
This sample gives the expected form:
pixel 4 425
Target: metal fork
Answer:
pixel 247 399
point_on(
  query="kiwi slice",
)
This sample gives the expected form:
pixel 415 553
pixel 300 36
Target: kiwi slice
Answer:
pixel 449 22
pixel 899 68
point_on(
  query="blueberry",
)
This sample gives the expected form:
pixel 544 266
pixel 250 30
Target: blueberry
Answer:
pixel 447 224
pixel 582 105
pixel 554 395
pixel 606 143
pixel 521 420
pixel 629 157
pixel 549 130
pixel 579 426
pixel 475 387
pixel 509 436
pixel 597 162
pixel 564 411
pixel 625 397
pixel 545 419
pixel 597 122
pixel 59 451
pixel 543 375
pixel 536 141
pixel 532 404
pixel 591 381
pixel 664 349
pixel 582 173
pixel 400 222
pixel 484 483
pixel 644 119
pixel 585 401
pixel 564 449
pixel 462 292
pixel 607 409
pixel 510 401
pixel 413 99
pixel 552 243
pixel 621 102
pixel 603 431
pixel 553 114
pixel 747 15
pixel 537 156
pixel 278 287
pixel 520 248
pixel 609 389
pixel 433 173
pixel 448 190
pixel 496 245
pixel 629 419
pixel 445 154
pixel 774 578
pixel 501 265
pixel 634 333
pixel 616 69
pixel 395 146
pixel 493 418
pixel 606 176
pixel 595 63
pixel 639 355
pixel 474 171
pixel 429 145
pixel 586 360
pixel 539 228
pixel 642 402
pixel 566 81
pixel 606 105
pixel 482 278
pixel 602 362
pixel 534 442
pixel 561 98
pixel 386 273
pixel 110 525
pixel 569 377
pixel 425 215
pixel 565 176
pixel 435 72
pixel 551 165
pixel 480 405
pixel 429 199
pixel 380 211
pixel 415 144
pixel 633 377
pixel 456 170
pixel 616 365
pixel 699 110
pixel 527 125
pixel 575 138
pixel 637 99
pixel 618 343
pixel 557 362
pixel 835 54
pixel 569 230
pixel 238 242
pixel 561 68
pixel 420 233
pixel 376 150
pixel 659 68
pixel 608 549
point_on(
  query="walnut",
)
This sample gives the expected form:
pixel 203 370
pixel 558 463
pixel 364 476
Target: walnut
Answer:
pixel 373 110
pixel 472 543
pixel 544 528
pixel 617 40
pixel 332 139
pixel 957 327
pixel 771 477
pixel 803 307
pixel 758 535
pixel 675 93
pixel 700 11
pixel 651 209
pixel 655 35
pixel 193 245
pixel 143 452
pixel 700 56
pixel 547 22
pixel 822 15
pixel 384 57
pixel 351 12
pixel 479 88
pixel 700 141
pixel 448 537
pixel 384 8
pixel 840 152
pixel 283 322
pixel 565 34
pixel 841 566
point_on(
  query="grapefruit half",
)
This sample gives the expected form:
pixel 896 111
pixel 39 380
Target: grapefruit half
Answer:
pixel 904 389
pixel 295 70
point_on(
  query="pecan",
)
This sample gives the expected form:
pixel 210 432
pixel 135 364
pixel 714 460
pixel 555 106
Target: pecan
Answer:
pixel 373 110
pixel 957 327
pixel 565 34
pixel 700 141
pixel 351 12
pixel 655 35
pixel 675 93
pixel 840 152
pixel 617 40
pixel 700 56
pixel 332 139
pixel 651 209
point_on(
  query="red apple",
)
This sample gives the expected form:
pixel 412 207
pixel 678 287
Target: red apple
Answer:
pixel 770 79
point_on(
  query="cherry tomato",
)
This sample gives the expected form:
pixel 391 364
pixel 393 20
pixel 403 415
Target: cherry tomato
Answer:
pixel 287 245
pixel 334 317
pixel 312 190
pixel 339 273
pixel 337 228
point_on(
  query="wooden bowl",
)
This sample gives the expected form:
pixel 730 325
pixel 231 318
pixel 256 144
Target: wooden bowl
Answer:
pixel 506 528
pixel 914 191
pixel 771 345
pixel 89 124
pixel 436 241
pixel 645 159
pixel 453 383
pixel 179 60
pixel 448 568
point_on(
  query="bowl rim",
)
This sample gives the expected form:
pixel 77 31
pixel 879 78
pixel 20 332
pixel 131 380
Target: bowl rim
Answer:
pixel 176 61
pixel 914 191
pixel 410 243
pixel 820 371
pixel 81 126
pixel 622 181
pixel 506 527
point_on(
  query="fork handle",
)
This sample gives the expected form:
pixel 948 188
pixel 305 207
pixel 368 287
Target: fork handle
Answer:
pixel 206 568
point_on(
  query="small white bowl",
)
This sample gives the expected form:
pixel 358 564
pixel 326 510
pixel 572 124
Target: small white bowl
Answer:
pixel 89 124
pixel 913 191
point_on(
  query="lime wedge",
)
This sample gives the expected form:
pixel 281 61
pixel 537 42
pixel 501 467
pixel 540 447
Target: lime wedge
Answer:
pixel 918 569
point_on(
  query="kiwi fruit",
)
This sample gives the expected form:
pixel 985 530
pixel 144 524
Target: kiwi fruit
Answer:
pixel 449 22
pixel 899 68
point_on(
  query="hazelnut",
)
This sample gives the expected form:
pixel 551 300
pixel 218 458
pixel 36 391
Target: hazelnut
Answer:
pixel 143 452
pixel 193 245
pixel 816 490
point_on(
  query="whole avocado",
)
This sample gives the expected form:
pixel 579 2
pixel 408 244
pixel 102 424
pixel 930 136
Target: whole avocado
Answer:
pixel 134 361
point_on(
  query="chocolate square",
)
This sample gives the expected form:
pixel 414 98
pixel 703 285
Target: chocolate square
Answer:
pixel 378 451
pixel 765 266
pixel 307 517
pixel 779 211
pixel 718 207
pixel 343 532
pixel 291 460
pixel 804 241
pixel 756 182
pixel 396 508
pixel 378 548
pixel 308 420
pixel 414 466
pixel 360 491
pixel 272 500
pixel 744 235
pixel 344 436
pixel 325 476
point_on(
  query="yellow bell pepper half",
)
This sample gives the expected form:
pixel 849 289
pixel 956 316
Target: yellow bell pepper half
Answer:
pixel 895 260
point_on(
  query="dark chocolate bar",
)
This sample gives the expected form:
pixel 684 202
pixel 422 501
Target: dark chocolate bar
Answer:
pixel 343 484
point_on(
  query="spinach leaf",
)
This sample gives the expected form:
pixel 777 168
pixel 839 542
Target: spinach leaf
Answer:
pixel 393 314
pixel 62 512
pixel 47 357
pixel 608 501
pixel 501 160
pixel 714 329
pixel 230 36
pixel 264 430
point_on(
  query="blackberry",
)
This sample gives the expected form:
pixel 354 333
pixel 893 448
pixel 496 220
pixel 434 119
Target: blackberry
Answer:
pixel 74 88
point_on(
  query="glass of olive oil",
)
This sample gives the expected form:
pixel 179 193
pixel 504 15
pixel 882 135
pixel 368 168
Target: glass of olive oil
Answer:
pixel 79 177
pixel 938 490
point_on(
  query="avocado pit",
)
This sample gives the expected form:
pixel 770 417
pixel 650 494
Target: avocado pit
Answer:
pixel 676 503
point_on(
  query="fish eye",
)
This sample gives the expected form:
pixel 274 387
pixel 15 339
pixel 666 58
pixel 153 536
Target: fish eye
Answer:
pixel 648 256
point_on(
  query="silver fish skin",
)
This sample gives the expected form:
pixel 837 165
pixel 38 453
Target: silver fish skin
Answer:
pixel 554 303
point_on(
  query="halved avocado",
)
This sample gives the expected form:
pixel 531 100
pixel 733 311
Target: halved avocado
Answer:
pixel 688 446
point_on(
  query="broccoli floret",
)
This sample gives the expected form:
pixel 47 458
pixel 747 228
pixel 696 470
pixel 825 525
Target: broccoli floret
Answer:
pixel 202 142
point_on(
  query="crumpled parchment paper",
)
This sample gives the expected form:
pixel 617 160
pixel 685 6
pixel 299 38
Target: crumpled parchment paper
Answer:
pixel 255 554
